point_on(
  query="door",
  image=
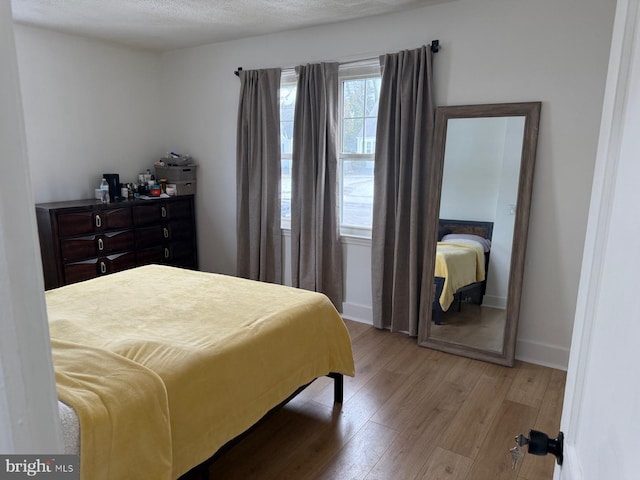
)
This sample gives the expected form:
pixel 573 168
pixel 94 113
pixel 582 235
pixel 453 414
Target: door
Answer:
pixel 601 413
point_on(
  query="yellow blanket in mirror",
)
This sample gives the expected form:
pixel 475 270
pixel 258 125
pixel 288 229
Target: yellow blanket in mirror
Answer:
pixel 459 264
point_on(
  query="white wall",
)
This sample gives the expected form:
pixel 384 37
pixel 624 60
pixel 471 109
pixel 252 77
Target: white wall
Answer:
pixel 503 228
pixel 472 164
pixel 492 51
pixel 90 108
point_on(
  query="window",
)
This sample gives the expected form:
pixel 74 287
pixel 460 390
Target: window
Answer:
pixel 360 92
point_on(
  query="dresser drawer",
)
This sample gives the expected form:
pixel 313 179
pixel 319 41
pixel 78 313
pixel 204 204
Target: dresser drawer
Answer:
pixel 181 254
pixel 181 230
pixel 152 212
pixel 160 234
pixel 159 211
pixel 149 236
pixel 81 223
pixel 146 256
pixel 77 248
pixel 180 209
pixel 87 269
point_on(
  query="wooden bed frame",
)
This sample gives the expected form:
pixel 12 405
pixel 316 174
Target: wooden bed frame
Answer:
pixel 474 291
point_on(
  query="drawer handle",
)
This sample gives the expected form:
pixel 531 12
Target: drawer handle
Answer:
pixel 103 267
pixel 164 212
pixel 100 244
pixel 98 221
pixel 165 232
pixel 166 253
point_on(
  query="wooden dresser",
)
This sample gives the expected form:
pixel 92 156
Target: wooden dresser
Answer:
pixel 83 239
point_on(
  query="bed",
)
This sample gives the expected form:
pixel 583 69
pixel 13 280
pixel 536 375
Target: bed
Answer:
pixel 163 366
pixel 462 263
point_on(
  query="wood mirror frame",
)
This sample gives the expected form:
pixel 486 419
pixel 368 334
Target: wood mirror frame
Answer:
pixel 531 112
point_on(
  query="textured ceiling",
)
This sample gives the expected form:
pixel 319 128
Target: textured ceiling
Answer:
pixel 168 24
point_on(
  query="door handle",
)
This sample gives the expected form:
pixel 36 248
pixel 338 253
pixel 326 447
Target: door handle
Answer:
pixel 539 443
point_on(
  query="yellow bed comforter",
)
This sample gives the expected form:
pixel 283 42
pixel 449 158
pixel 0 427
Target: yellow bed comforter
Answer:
pixel 215 353
pixel 459 264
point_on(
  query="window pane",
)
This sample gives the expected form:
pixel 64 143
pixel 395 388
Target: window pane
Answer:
pixel 357 193
pixel 285 188
pixel 286 137
pixel 352 133
pixel 353 98
pixel 287 107
pixel 287 102
pixel 372 96
pixel 287 110
pixel 370 135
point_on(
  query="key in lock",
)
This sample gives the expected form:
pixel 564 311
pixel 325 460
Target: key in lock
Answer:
pixel 538 443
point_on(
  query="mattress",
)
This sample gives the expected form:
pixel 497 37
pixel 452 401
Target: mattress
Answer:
pixel 213 354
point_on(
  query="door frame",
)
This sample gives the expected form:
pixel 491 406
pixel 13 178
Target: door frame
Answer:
pixel 618 84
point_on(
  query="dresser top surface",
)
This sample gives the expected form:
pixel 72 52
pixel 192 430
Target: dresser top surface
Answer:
pixel 94 203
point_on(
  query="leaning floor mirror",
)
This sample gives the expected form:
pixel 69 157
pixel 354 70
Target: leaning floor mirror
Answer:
pixel 484 159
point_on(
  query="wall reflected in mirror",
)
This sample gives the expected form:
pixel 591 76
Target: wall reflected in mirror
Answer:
pixel 480 184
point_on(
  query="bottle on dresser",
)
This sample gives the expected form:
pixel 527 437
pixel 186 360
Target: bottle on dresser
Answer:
pixel 104 191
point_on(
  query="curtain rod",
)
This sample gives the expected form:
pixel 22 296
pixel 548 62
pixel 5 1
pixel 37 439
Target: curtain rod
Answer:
pixel 435 48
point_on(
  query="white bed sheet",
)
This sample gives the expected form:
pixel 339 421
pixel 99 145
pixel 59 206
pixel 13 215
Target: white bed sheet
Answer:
pixel 70 429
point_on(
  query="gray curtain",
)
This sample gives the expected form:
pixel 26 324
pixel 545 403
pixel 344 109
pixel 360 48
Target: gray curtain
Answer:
pixel 316 256
pixel 258 176
pixel 402 167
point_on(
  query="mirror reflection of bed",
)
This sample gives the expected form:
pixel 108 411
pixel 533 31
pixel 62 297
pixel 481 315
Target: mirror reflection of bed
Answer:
pixel 461 314
pixel 484 157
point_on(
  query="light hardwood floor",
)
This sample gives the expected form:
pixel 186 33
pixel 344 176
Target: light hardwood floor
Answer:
pixel 409 413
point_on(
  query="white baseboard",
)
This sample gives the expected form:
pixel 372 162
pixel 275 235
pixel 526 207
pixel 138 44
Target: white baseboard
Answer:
pixel 494 302
pixel 542 354
pixel 526 350
pixel 357 313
